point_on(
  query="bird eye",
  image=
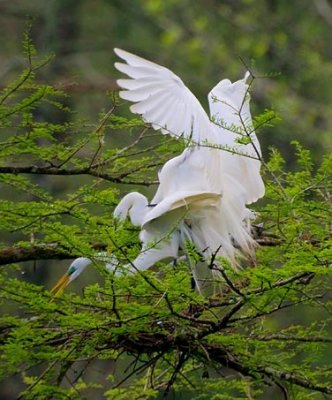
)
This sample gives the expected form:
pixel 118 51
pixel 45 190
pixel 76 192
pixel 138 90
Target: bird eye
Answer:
pixel 71 270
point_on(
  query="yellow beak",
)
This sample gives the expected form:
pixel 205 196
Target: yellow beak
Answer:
pixel 59 287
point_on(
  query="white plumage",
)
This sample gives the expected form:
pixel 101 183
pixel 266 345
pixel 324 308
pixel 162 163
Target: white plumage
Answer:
pixel 215 161
pixel 203 192
pixel 163 100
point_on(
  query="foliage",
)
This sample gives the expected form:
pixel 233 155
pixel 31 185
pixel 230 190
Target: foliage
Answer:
pixel 268 327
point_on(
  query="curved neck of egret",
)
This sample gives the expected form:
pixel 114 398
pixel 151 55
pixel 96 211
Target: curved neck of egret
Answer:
pixel 134 204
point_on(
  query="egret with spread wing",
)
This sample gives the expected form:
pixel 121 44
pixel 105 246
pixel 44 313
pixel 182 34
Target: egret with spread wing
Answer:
pixel 223 155
pixel 163 100
pixel 203 192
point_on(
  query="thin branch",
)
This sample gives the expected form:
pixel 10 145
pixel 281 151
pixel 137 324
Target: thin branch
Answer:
pixel 177 368
pixel 124 150
pixel 101 137
pixel 281 283
pixel 292 338
pixel 292 378
pixel 229 360
pixel 32 169
pixel 228 280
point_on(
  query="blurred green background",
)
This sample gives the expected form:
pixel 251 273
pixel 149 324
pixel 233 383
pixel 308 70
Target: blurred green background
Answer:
pixel 287 44
pixel 201 41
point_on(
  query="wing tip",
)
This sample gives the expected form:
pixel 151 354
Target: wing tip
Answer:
pixel 247 75
pixel 119 52
pixel 120 83
pixel 120 66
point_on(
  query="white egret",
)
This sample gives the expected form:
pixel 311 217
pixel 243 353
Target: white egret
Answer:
pixel 164 101
pixel 166 226
pixel 203 192
pixel 162 232
pixel 217 159
pixel 165 229
pixel 196 217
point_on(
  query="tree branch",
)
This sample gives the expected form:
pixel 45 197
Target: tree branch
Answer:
pixel 292 378
pixel 32 169
pixel 44 251
pixel 292 338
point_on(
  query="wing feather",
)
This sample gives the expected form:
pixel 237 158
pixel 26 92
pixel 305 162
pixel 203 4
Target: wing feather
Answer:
pixel 160 110
pixel 140 93
pixel 163 99
pixel 150 102
pixel 135 72
pixel 132 84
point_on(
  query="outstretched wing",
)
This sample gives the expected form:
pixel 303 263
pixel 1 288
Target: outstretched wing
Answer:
pixel 163 99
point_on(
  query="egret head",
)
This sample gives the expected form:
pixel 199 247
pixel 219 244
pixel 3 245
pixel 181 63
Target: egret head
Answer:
pixel 74 270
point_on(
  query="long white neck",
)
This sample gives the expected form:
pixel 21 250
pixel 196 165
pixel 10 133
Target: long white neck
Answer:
pixel 134 204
